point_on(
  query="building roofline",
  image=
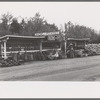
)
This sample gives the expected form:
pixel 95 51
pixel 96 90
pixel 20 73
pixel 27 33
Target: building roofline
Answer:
pixel 81 39
pixel 16 36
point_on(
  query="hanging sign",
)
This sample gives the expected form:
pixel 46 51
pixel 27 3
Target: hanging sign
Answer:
pixel 52 35
pixel 46 33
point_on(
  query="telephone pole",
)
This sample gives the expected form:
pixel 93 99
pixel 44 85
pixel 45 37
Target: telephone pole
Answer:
pixel 65 44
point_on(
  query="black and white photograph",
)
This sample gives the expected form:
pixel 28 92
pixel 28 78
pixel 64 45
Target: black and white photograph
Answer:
pixel 50 41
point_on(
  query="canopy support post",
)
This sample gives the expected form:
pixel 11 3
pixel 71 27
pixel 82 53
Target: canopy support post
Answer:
pixel 40 46
pixel 5 53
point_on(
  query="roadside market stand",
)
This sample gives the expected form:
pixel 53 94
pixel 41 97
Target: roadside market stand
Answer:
pixel 78 43
pixel 78 46
pixel 12 44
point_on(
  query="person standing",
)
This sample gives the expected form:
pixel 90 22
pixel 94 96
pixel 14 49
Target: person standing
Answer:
pixel 71 51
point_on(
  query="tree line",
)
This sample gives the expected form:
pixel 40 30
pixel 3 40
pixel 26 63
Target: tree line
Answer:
pixel 9 25
pixel 80 31
pixel 36 24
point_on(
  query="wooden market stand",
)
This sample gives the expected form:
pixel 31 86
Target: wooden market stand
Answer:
pixel 15 44
pixel 78 43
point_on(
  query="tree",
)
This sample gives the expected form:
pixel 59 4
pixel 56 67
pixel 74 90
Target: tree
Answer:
pixel 15 27
pixel 5 23
pixel 80 31
pixel 6 18
pixel 37 24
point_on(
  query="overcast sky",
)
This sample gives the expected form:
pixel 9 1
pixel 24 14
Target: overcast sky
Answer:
pixel 83 13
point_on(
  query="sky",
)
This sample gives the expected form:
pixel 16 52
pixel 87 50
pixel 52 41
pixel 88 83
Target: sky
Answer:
pixel 82 13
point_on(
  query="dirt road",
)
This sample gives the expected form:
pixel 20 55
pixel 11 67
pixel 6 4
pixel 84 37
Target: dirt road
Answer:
pixel 77 69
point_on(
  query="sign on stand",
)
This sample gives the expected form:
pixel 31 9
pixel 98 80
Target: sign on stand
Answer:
pixel 51 35
pixel 46 33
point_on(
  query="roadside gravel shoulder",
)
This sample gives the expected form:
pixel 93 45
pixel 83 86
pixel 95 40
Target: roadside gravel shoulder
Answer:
pixel 40 68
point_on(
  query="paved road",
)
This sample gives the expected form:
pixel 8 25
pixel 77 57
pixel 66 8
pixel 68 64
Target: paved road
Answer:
pixel 77 69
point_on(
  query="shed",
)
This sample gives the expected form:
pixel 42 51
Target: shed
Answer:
pixel 78 43
pixel 14 44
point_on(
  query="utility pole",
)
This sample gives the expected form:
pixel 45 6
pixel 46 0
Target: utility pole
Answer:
pixel 65 44
pixel 65 40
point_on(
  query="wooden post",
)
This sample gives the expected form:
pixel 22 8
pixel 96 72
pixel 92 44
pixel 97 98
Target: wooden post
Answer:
pixel 60 45
pixel 84 44
pixel 2 49
pixel 5 54
pixel 40 46
pixel 65 49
